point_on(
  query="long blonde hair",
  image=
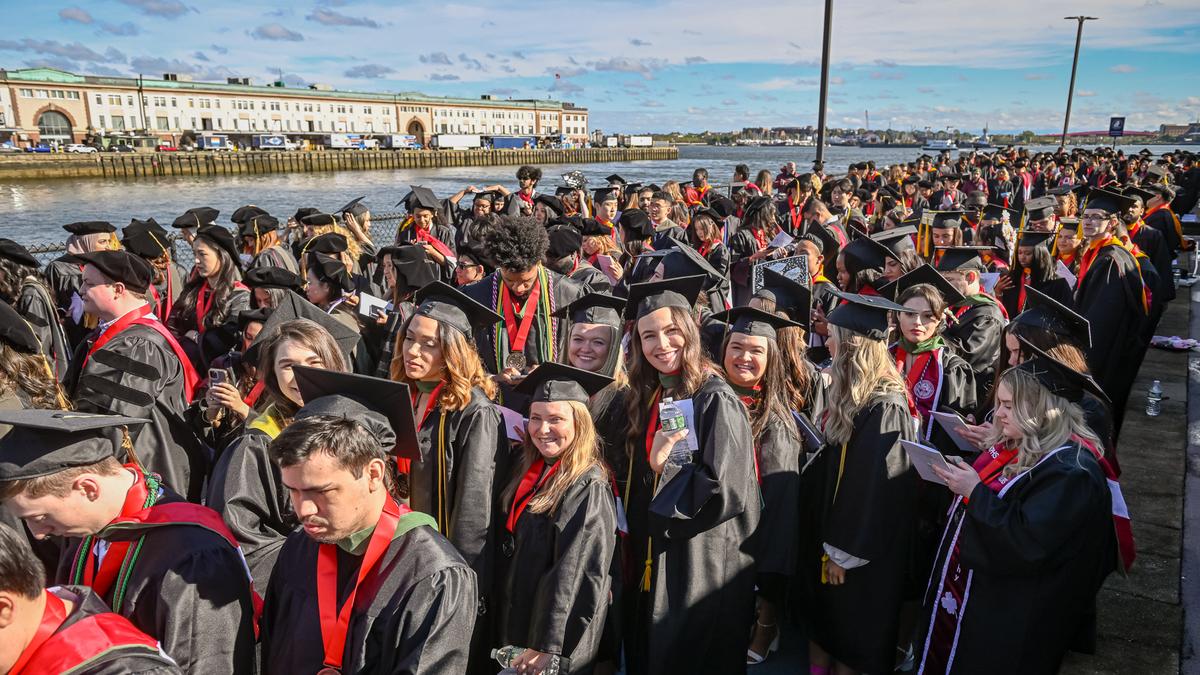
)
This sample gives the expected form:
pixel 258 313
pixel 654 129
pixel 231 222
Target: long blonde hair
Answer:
pixel 576 460
pixel 862 371
pixel 464 369
pixel 1047 421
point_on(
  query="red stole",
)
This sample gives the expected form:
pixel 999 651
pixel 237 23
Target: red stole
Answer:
pixel 924 381
pixel 1025 277
pixel 519 333
pixel 533 480
pixel 1089 256
pixel 54 651
pixel 142 317
pixel 404 465
pixel 424 236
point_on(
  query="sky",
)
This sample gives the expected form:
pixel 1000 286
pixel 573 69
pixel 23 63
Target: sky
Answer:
pixel 659 66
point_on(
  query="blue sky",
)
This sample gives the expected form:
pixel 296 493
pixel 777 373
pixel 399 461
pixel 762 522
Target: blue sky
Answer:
pixel 662 66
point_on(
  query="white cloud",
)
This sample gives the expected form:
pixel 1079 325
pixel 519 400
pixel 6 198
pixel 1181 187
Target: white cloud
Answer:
pixel 275 32
pixel 76 14
pixel 1084 93
pixel 1123 68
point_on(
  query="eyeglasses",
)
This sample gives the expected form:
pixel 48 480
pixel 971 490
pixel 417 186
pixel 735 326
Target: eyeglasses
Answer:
pixel 1094 218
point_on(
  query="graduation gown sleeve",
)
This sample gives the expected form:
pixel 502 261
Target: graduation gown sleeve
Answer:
pixel 779 461
pixel 36 305
pixel 481 435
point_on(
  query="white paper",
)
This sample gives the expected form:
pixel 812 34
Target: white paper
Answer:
pixel 924 459
pixel 1065 273
pixel 367 304
pixel 512 418
pixel 988 280
pixel 954 426
pixel 782 239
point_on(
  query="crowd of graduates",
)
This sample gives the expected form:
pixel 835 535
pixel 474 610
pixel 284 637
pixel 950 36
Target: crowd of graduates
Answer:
pixel 636 428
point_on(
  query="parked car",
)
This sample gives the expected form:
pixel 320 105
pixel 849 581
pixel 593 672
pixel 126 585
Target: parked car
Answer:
pixel 39 148
pixel 9 147
pixel 80 148
pixel 167 148
pixel 121 148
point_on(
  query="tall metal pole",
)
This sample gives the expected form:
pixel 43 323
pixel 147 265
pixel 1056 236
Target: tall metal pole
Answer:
pixel 1074 66
pixel 824 80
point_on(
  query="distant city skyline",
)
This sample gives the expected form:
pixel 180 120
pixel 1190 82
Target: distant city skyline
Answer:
pixel 665 66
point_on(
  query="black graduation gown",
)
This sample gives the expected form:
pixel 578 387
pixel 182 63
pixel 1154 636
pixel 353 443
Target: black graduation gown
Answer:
pixel 37 307
pixel 475 458
pixel 1036 557
pixel 592 278
pixel 868 513
pixel 695 616
pixel 1154 245
pixel 780 455
pixel 64 277
pixel 276 256
pixel 556 595
pixel 1109 296
pixel 137 374
pixel 113 657
pixel 247 490
pixel 976 336
pixel 1162 221
pixel 742 245
pixel 187 589
pixel 823 297
pixel 413 614
pixel 444 234
pixel 1057 288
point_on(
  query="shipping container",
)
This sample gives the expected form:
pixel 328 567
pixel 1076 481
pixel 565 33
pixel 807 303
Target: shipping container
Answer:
pixel 513 142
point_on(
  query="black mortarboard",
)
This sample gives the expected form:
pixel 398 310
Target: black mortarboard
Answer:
pixel 865 253
pixel 790 296
pixel 615 179
pixel 552 382
pixel 1043 311
pixel 1057 377
pixel 946 219
pixel 273 277
pixel 866 315
pixel 258 225
pixel 1109 202
pixel 682 260
pixel 411 264
pixel 1140 193
pixel 603 195
pixel 331 270
pixel 201 215
pixel 354 206
pixel 303 212
pixel 563 190
pixel 423 198
pixel 754 322
pixel 1069 224
pixel 245 213
pixel 249 316
pixel 647 297
pixel 925 274
pixel 564 241
pixel 89 227
pixel 145 238
pixel 485 195
pixel 446 304
pixel 384 407
pixel 328 243
pixel 551 202
pixel 11 250
pixel 1041 208
pixel 637 222
pixel 962 258
pixel 1060 191
pixel 1032 238
pixel 596 308
pixel 590 227
pixel 1165 191
pixel 996 212
pixel 294 307
pixel 45 442
pixel 123 266
pixel 897 239
pixel 16 332
pixel 318 220
pixel 221 238
pixel 408 200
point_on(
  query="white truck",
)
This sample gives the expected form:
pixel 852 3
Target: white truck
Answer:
pixel 639 141
pixel 457 141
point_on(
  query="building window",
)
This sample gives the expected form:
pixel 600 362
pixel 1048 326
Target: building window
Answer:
pixel 101 118
pixel 118 123
pixel 176 123
pixel 162 123
pixel 174 103
pixel 132 122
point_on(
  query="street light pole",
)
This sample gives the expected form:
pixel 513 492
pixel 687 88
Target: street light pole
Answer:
pixel 1074 66
pixel 824 80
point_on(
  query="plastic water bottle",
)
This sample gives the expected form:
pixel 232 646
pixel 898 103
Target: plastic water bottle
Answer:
pixel 1154 399
pixel 672 419
pixel 506 655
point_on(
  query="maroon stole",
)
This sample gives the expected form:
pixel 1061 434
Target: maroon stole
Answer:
pixel 924 382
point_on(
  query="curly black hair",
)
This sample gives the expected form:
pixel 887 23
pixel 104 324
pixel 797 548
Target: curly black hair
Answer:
pixel 517 244
pixel 531 172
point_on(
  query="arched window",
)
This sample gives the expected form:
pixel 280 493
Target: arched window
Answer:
pixel 54 125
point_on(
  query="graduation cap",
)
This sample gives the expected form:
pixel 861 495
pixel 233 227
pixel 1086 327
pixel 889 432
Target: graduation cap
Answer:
pixel 637 222
pixel 789 295
pixel 755 205
pixel 303 212
pixel 16 332
pixel 318 219
pixel 947 219
pixel 962 258
pixel 866 315
pixel 897 240
pixel 354 207
pixel 594 308
pixel 245 213
pixel 195 217
pixel 563 190
pixel 682 260
pixel 552 382
pixel 222 239
pixel 1046 313
pixel 1031 238
pixel 411 265
pixel 564 241
pixel 550 202
pixel 11 250
pixel 121 266
pixel 484 195
pixel 273 277
pixel 650 296
pixel 925 274
pixel 423 198
pixel 754 322
pixel 446 304
pixel 1041 208
pixel 996 212
pixel 865 253
pixel 1109 202
pixel 45 442
pixel 383 407
pixel 1140 193
pixel 294 307
pixel 1069 223
pixel 653 187
pixel 603 195
pixel 1060 191
pixel 1057 377
pixel 249 316
pixel 590 227
pixel 1165 191
pixel 145 238
pixel 331 270
pixel 258 225
pixel 616 179
pixel 89 227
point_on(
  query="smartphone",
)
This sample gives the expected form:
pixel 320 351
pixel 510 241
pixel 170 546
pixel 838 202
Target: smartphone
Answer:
pixel 217 376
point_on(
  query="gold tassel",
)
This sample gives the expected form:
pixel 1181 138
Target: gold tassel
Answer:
pixel 127 445
pixel 825 568
pixel 646 572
